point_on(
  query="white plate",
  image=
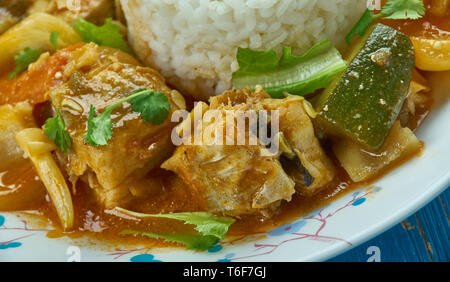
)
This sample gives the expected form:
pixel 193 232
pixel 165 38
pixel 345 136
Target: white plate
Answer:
pixel 345 223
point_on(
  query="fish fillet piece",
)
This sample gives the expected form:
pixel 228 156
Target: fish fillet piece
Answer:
pixel 298 135
pixel 298 130
pixel 136 146
pixel 245 179
pixel 232 180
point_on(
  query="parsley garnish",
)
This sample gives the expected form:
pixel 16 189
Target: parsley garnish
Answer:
pixel 55 130
pixel 24 59
pixel 153 106
pixel 105 35
pixel 99 129
pixel 211 228
pixel 394 10
pixel 404 9
pixel 192 242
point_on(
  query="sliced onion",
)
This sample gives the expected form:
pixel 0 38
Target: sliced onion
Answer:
pixel 49 172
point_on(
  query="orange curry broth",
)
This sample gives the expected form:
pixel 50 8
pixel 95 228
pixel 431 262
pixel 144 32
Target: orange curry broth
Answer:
pixel 429 26
pixel 174 195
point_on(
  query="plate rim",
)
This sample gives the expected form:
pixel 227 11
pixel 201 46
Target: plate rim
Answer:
pixel 432 191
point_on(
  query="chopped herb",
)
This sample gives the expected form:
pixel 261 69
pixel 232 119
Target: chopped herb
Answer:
pixel 24 59
pixel 298 75
pixel 54 39
pixel 105 35
pixel 206 223
pixel 192 242
pixel 394 9
pixel 99 129
pixel 211 228
pixel 404 9
pixel 55 129
pixel 153 106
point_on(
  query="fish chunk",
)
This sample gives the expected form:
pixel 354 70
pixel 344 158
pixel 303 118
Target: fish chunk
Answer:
pixel 296 125
pixel 298 135
pixel 243 179
pixel 136 146
pixel 232 180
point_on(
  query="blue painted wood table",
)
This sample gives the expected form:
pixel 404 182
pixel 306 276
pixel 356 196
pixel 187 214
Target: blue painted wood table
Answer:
pixel 423 237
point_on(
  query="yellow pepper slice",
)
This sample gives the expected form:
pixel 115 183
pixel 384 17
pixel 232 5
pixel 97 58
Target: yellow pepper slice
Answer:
pixel 432 54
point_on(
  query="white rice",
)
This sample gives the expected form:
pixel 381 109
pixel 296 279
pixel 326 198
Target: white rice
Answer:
pixel 193 43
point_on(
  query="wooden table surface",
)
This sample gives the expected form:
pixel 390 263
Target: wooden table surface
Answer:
pixel 423 237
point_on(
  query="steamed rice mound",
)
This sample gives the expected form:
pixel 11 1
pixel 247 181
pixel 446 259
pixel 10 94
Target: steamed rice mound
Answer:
pixel 193 43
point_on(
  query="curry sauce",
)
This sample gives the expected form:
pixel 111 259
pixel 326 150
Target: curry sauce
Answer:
pixel 105 225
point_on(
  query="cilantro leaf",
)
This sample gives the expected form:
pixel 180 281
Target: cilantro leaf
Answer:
pixel 99 129
pixel 55 130
pixel 54 39
pixel 192 242
pixel 105 35
pixel 153 106
pixel 205 223
pixel 394 10
pixel 211 228
pixel 298 75
pixel 24 59
pixel 404 9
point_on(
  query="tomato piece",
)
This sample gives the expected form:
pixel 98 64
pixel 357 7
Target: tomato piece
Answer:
pixel 32 86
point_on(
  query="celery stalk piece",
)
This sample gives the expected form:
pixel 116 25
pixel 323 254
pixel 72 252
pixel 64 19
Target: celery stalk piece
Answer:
pixel 297 75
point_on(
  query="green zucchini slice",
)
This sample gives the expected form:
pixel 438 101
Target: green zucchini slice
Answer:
pixel 364 102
